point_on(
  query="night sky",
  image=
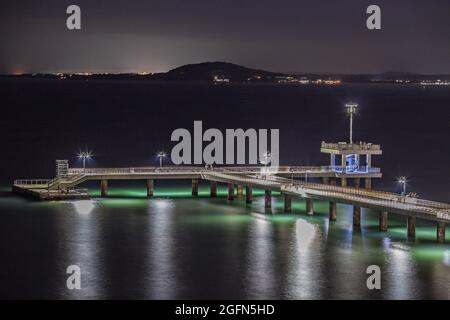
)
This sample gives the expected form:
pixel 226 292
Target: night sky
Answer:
pixel 287 35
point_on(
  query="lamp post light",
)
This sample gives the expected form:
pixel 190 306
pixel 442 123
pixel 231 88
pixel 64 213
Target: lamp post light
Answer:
pixel 84 155
pixel 161 155
pixel 351 110
pixel 403 180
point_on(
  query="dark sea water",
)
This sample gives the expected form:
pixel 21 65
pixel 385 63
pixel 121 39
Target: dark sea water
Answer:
pixel 175 246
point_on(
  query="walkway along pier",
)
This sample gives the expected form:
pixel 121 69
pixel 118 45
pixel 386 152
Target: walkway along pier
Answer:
pixel 284 179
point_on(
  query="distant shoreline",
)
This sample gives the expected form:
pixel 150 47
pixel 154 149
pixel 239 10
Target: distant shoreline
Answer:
pixel 429 81
pixel 225 73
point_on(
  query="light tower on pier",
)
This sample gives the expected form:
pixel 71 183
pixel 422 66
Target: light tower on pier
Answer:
pixel 350 153
pixel 351 110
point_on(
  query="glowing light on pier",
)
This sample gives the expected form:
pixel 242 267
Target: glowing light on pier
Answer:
pixel 351 110
pixel 403 180
pixel 161 155
pixel 84 155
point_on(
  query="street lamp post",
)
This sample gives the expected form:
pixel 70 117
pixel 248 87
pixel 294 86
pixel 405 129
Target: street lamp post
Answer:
pixel 84 155
pixel 351 110
pixel 402 180
pixel 161 155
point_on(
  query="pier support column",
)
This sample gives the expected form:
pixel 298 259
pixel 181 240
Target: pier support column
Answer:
pixel 268 199
pixel 332 211
pixel 287 203
pixel 213 189
pixel 309 207
pixel 150 186
pixel 357 182
pixel 104 188
pixel 326 180
pixel 368 182
pixel 411 225
pixel 343 182
pixel 230 191
pixel 356 216
pixel 344 163
pixel 383 221
pixel 440 232
pixel 194 187
pixel 248 194
pixel 240 190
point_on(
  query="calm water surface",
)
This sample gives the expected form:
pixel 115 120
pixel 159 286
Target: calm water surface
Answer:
pixel 183 248
pixel 174 246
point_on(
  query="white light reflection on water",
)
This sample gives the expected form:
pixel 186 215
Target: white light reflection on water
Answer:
pixel 446 258
pixel 400 271
pixel 161 279
pixel 304 274
pixel 80 247
pixel 83 206
pixel 261 254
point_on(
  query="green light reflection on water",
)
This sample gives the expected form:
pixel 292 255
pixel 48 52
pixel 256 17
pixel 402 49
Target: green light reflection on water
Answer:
pixel 425 247
pixel 218 219
pixel 135 192
pixel 432 252
pixel 124 203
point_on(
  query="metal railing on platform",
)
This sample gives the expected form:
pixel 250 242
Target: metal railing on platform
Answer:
pixel 343 146
pixel 242 169
pixel 31 181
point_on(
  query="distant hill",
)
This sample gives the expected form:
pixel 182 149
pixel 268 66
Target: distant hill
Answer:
pixel 229 72
pixel 207 71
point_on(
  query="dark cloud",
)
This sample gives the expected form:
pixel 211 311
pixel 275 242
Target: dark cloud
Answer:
pixel 300 35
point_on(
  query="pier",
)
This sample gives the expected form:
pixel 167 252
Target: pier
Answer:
pixel 340 183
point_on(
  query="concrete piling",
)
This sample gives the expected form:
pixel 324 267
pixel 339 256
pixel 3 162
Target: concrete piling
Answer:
pixel 150 186
pixel 440 232
pixel 383 221
pixel 104 188
pixel 240 190
pixel 230 191
pixel 268 199
pixel 309 206
pixel 411 226
pixel 248 194
pixel 194 187
pixel 333 211
pixel 356 216
pixel 213 189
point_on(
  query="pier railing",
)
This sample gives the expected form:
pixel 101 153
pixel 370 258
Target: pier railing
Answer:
pixel 31 181
pixel 242 169
pixel 350 146
pixel 368 200
pixel 369 197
